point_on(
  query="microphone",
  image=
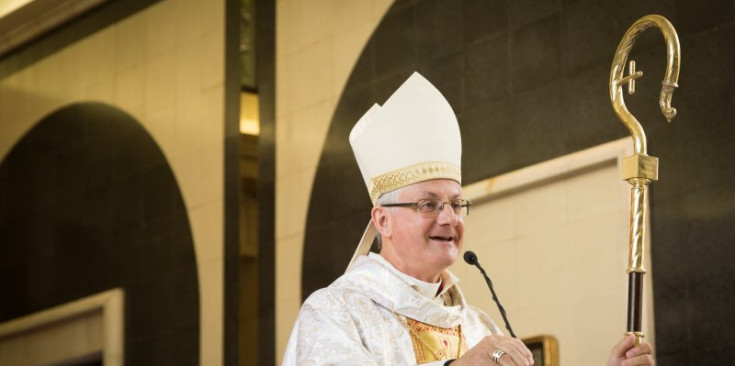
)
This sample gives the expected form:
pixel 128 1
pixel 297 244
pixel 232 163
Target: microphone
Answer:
pixel 471 258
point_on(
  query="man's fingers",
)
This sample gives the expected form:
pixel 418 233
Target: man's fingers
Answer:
pixel 640 355
pixel 511 357
pixel 523 350
pixel 507 359
pixel 514 357
pixel 515 352
pixel 625 354
pixel 641 349
pixel 623 346
pixel 643 360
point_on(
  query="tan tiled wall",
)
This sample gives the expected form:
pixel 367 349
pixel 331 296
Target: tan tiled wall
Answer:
pixel 164 66
pixel 317 45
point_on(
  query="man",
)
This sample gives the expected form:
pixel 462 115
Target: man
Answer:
pixel 402 307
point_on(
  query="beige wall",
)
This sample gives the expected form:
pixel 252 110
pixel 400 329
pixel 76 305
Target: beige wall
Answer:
pixel 165 66
pixel 317 45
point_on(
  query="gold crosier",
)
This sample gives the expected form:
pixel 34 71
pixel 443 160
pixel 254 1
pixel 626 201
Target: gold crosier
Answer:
pixel 640 168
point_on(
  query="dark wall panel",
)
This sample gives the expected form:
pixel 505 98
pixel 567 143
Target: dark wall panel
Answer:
pixel 529 82
pixel 232 185
pixel 89 203
pixel 266 35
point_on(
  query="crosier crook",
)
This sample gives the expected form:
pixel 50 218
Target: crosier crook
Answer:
pixel 640 169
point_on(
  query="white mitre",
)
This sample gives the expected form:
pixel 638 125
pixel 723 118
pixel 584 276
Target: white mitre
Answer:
pixel 412 138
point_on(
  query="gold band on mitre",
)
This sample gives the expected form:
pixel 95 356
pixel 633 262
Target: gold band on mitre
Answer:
pixel 391 181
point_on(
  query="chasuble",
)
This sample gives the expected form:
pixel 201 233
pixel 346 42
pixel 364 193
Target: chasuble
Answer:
pixel 373 315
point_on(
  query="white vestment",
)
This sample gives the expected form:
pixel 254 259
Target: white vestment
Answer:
pixel 360 319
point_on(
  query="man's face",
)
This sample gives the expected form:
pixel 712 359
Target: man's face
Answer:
pixel 421 239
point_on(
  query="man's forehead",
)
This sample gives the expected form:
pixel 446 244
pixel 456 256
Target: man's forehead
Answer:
pixel 435 188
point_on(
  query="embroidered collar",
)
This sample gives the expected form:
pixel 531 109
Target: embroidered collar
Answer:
pixel 428 289
pixel 372 278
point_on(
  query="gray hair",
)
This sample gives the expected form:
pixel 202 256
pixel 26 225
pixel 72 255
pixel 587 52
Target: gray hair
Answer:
pixel 389 197
pixel 385 198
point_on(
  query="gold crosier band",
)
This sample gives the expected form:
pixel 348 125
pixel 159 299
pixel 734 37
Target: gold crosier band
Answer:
pixel 412 174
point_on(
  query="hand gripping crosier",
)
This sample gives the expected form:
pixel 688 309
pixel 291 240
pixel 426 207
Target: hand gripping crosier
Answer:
pixel 640 169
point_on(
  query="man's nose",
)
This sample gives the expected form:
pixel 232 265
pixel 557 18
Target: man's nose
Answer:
pixel 447 216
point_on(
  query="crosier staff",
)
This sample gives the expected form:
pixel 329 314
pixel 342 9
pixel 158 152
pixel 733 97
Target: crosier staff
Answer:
pixel 640 169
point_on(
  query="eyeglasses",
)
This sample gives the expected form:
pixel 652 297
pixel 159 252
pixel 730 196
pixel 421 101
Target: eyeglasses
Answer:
pixel 435 207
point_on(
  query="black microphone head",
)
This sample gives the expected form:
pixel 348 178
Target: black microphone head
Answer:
pixel 470 257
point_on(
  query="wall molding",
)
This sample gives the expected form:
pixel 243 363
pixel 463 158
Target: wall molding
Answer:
pixel 23 21
pixel 549 170
pixel 109 303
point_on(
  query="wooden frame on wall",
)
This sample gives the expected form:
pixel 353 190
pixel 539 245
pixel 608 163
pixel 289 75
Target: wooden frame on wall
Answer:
pixel 54 331
pixel 545 350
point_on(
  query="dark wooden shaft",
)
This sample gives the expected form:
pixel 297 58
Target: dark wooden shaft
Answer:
pixel 635 301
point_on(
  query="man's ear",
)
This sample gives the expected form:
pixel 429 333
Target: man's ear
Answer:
pixel 382 220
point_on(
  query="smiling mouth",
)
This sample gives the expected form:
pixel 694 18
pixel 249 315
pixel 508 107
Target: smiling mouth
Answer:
pixel 442 238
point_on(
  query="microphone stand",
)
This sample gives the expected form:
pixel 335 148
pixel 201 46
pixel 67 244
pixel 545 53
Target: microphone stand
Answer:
pixel 471 258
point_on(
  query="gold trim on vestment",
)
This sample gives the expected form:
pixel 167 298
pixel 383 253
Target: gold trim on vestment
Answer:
pixel 412 174
pixel 432 343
